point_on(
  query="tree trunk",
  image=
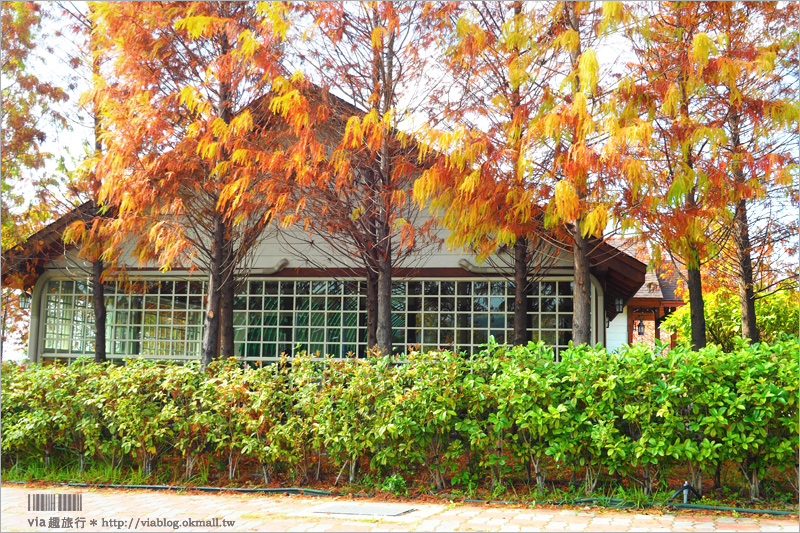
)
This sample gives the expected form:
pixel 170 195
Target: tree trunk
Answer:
pixel 741 236
pixel 99 301
pixel 696 308
pixel 98 291
pixel 539 474
pixel 696 476
pixel 226 316
pixel 210 349
pixel 353 469
pixel 385 64
pixel 582 296
pixel 228 287
pixel 384 325
pixel 520 295
pixel 222 251
pixel 747 298
pixel 521 244
pixel 372 309
pixel 718 476
pixel 750 472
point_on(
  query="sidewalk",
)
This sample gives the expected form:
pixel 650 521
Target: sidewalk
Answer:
pixel 140 510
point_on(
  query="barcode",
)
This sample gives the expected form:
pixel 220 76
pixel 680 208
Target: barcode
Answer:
pixel 55 502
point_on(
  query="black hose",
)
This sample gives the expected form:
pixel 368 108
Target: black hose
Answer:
pixel 619 503
pixel 607 502
pixel 726 508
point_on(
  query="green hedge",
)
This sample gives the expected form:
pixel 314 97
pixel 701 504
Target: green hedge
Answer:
pixel 502 415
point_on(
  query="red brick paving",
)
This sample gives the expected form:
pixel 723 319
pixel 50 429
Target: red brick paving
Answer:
pixel 282 513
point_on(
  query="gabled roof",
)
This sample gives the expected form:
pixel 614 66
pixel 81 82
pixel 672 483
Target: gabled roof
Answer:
pixel 618 270
pixel 24 263
pixel 621 274
pixel 651 287
pixel 660 283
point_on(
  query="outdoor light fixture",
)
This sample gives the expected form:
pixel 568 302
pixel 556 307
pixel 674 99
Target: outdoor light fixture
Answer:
pixel 618 304
pixel 24 301
pixel 607 321
pixel 640 327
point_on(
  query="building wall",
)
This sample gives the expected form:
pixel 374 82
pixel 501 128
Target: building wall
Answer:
pixel 617 332
pixel 292 244
pixel 650 334
pixel 276 313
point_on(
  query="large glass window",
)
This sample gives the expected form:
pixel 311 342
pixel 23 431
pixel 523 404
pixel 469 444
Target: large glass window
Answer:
pixel 462 314
pixel 276 317
pixel 157 319
pixel 272 317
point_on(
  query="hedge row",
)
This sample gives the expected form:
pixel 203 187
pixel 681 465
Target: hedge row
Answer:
pixel 501 415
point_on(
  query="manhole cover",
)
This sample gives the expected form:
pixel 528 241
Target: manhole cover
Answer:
pixel 372 509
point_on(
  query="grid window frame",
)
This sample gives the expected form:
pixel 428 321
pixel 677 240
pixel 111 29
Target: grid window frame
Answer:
pixel 277 317
pixel 151 320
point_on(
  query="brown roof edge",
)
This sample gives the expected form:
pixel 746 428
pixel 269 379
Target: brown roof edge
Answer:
pixel 621 274
pixel 24 263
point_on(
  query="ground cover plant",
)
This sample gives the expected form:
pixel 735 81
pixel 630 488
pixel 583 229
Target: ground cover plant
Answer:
pixel 506 423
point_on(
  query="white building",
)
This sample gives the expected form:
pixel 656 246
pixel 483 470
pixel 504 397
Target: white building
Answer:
pixel 288 303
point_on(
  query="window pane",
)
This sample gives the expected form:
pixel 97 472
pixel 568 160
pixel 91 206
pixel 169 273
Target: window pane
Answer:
pixel 565 288
pixel 564 337
pixel 256 287
pixel 351 288
pixel 318 287
pixel 431 288
pixel 447 304
pixel 497 304
pixel 447 337
pixel 497 322
pixel 446 320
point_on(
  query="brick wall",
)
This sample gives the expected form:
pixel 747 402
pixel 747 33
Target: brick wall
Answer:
pixel 649 333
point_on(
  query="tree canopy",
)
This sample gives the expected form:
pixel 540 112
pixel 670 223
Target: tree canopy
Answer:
pixel 514 125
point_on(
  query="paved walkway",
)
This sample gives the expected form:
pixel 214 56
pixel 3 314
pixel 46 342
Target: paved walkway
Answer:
pixel 140 510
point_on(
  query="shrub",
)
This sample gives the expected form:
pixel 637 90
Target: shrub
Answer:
pixel 776 316
pixel 635 412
